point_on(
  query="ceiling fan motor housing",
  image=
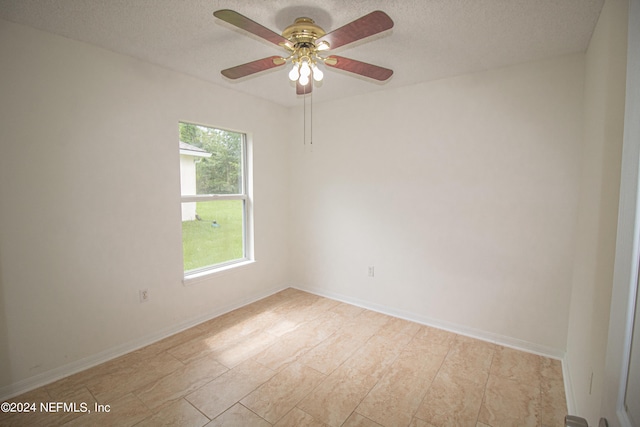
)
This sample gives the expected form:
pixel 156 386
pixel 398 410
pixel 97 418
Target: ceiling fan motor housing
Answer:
pixel 304 31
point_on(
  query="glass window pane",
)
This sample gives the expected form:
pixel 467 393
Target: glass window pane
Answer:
pixel 210 160
pixel 214 235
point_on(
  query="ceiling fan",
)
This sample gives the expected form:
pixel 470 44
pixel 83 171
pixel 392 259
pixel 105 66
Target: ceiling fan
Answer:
pixel 304 41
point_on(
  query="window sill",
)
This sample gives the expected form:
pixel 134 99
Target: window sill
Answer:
pixel 202 276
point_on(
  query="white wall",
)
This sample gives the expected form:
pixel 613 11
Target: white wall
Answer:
pixel 600 183
pixel 461 192
pixel 90 203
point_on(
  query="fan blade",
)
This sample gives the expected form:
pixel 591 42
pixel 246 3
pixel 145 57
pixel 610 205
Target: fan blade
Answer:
pixel 244 23
pixel 253 67
pixel 303 90
pixel 359 67
pixel 368 25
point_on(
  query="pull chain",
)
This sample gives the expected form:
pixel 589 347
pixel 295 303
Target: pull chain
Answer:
pixel 304 113
pixel 311 120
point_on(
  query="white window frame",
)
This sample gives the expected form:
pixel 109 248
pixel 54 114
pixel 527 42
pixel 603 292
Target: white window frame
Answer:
pixel 195 275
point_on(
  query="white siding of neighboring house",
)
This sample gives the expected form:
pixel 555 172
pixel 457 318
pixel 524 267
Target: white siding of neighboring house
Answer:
pixel 189 156
pixel 188 185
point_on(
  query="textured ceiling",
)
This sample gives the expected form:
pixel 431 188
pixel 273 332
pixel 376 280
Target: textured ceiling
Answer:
pixel 431 39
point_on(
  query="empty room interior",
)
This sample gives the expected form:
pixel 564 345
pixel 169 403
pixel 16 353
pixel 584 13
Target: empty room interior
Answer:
pixel 439 232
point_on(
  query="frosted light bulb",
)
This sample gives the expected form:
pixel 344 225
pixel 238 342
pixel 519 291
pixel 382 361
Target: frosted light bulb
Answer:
pixel 304 80
pixel 304 69
pixel 294 74
pixel 317 73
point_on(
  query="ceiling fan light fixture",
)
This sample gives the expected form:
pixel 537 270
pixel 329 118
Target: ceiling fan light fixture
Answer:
pixel 304 80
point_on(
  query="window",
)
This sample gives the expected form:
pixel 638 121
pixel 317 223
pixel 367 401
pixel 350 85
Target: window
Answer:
pixel 215 198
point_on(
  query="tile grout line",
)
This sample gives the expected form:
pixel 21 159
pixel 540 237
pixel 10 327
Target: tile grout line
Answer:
pixel 486 383
pixel 444 359
pixel 249 409
pixel 196 408
pixel 386 370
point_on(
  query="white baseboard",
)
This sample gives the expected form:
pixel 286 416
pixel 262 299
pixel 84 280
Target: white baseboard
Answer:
pixel 44 378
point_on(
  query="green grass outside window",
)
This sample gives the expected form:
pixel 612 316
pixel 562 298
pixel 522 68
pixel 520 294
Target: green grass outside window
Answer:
pixel 205 242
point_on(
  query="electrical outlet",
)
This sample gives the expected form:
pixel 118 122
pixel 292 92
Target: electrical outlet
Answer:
pixel 144 295
pixel 371 271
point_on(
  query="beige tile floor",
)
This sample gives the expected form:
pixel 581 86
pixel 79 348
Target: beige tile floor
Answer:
pixel 295 359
